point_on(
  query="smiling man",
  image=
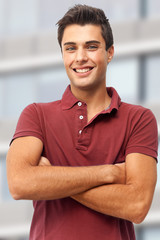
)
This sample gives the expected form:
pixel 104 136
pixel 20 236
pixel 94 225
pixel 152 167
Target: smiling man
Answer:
pixel 89 160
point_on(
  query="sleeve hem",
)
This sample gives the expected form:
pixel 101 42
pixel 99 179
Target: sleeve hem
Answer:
pixel 143 150
pixel 27 134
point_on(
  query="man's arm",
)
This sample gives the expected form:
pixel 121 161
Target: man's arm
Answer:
pixel 28 179
pixel 130 201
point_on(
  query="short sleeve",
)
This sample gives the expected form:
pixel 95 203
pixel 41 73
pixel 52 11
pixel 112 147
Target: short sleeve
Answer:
pixel 144 135
pixel 29 123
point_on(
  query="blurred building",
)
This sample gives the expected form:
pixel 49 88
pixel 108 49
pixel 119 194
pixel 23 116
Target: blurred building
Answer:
pixel 31 70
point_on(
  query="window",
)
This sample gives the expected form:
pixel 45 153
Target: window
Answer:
pixel 151 233
pixel 122 74
pixel 21 16
pixel 5 195
pixel 153 8
pixel 152 79
pixel 1 96
pixel 18 91
pixel 51 84
pixel 1 16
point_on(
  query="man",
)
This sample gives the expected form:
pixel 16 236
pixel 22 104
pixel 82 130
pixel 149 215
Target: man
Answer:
pixel 89 160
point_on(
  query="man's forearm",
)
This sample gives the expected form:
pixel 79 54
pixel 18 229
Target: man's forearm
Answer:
pixel 115 200
pixel 53 182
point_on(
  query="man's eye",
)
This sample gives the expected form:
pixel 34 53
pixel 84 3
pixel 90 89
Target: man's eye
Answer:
pixel 92 47
pixel 70 48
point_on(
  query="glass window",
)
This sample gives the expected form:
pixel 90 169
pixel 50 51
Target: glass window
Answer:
pixel 22 16
pixel 121 10
pixel 19 91
pixel 1 16
pixel 153 8
pixel 1 96
pixel 0 179
pixel 52 84
pixel 152 79
pixel 122 74
pixel 5 191
pixel 151 233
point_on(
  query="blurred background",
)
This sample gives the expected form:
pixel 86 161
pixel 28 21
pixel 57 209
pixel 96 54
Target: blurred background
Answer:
pixel 31 70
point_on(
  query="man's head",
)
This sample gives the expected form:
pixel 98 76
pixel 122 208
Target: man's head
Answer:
pixel 82 15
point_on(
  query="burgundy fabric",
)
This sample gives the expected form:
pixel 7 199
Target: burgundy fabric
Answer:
pixel 70 141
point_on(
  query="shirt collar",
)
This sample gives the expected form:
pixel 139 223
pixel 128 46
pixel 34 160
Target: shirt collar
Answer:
pixel 69 100
pixel 116 100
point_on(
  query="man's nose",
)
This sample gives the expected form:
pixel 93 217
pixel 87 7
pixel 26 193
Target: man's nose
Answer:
pixel 81 55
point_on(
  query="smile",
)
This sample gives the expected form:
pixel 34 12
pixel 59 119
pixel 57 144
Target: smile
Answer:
pixel 83 70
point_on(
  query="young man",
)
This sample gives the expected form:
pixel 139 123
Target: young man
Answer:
pixel 89 160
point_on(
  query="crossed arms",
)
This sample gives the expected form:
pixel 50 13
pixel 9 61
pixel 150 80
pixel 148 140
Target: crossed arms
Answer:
pixel 120 190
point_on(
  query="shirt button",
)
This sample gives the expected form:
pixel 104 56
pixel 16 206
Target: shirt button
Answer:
pixel 79 104
pixel 81 117
pixel 80 131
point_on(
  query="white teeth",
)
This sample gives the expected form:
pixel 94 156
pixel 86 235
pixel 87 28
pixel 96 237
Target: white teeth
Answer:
pixel 83 70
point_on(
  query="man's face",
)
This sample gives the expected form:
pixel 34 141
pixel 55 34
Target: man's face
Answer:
pixel 85 56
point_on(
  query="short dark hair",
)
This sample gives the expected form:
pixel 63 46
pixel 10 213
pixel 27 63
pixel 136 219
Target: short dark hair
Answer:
pixel 82 15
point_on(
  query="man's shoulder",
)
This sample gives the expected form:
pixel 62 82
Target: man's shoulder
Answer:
pixel 133 107
pixel 135 111
pixel 44 105
pixel 37 110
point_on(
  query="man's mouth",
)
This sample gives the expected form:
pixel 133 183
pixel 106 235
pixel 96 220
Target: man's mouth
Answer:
pixel 82 70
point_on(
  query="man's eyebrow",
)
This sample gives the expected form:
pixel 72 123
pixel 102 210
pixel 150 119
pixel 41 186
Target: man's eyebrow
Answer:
pixel 92 41
pixel 69 43
pixel 88 42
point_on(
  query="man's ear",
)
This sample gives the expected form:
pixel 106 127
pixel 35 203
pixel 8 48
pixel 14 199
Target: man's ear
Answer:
pixel 110 53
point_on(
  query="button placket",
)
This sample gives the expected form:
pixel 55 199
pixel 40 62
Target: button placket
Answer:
pixel 82 137
pixel 81 118
pixel 80 113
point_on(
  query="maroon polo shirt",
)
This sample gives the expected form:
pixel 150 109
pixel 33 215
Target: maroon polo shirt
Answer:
pixel 69 140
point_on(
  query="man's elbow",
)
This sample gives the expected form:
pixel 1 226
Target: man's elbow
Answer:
pixel 138 215
pixel 16 189
pixel 15 195
pixel 139 218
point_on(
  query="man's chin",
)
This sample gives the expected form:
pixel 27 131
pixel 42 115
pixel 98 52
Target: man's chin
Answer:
pixel 84 87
